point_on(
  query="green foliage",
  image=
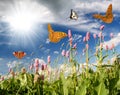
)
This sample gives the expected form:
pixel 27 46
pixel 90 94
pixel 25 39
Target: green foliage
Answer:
pixel 106 81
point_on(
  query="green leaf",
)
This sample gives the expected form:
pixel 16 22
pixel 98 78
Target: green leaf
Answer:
pixel 101 90
pixel 81 90
pixel 118 84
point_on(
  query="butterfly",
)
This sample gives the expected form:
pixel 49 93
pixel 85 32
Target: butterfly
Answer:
pixel 108 17
pixel 73 15
pixel 55 36
pixel 19 54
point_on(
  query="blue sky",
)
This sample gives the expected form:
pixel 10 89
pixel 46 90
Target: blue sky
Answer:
pixel 24 28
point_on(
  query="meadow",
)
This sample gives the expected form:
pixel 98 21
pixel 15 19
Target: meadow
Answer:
pixel 71 78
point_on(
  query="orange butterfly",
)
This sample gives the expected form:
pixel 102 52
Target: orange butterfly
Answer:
pixel 55 36
pixel 108 18
pixel 19 54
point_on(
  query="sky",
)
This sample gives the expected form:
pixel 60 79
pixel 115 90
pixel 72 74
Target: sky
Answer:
pixel 23 27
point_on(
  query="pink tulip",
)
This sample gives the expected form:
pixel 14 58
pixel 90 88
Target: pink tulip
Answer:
pixel 112 46
pixel 84 50
pixel 10 70
pixel 101 45
pixel 37 60
pixel 87 46
pixel 36 69
pixel 63 53
pixel 31 67
pixel 100 35
pixel 84 39
pixel 67 53
pixel 107 47
pixel 87 36
pixel 70 40
pixel 102 27
pixel 94 36
pixel 69 34
pixel 2 78
pixel 43 66
pixel 36 64
pixel 75 46
pixel 48 59
pixel 111 35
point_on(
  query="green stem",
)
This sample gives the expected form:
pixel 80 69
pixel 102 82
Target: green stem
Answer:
pixel 87 60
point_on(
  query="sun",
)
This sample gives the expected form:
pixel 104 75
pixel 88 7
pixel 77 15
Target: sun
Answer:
pixel 22 21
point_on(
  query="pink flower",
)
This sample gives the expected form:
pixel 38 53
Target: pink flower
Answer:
pixel 70 40
pixel 67 53
pixel 75 46
pixel 36 64
pixel 94 36
pixel 107 47
pixel 69 34
pixel 31 67
pixel 43 66
pixel 87 46
pixel 37 60
pixel 100 35
pixel 63 53
pixel 84 39
pixel 48 59
pixel 111 35
pixel 87 36
pixel 112 46
pixel 101 45
pixel 102 27
pixel 10 70
pixel 84 50
pixel 2 78
pixel 36 69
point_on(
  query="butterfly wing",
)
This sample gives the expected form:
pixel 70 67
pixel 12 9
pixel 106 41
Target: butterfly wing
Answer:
pixel 19 54
pixel 108 18
pixel 55 36
pixel 58 35
pixel 51 31
pixel 109 10
pixel 98 16
pixel 73 15
pixel 50 28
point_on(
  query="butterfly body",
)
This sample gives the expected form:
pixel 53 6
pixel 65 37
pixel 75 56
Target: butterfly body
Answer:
pixel 108 17
pixel 55 36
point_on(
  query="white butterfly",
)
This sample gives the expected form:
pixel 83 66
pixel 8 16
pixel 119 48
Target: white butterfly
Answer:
pixel 73 15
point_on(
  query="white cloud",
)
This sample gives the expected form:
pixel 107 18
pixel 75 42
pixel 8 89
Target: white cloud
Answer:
pixel 41 61
pixel 7 43
pixel 53 11
pixel 115 41
pixel 77 38
pixel 56 52
pixel 47 41
pixel 47 51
